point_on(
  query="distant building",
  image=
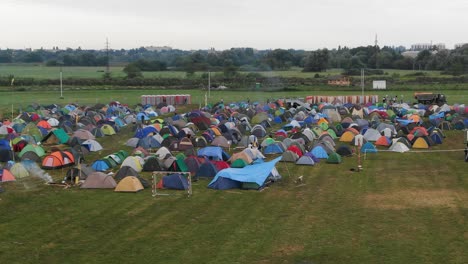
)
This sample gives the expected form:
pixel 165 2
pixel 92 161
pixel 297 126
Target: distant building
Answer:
pixel 163 48
pixel 339 80
pixel 459 45
pixel 427 46
pixel 410 54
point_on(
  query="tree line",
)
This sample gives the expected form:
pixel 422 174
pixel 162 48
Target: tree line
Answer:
pixel 230 61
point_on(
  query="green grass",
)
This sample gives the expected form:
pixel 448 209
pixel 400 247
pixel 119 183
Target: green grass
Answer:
pixel 40 71
pixel 402 208
pixel 20 100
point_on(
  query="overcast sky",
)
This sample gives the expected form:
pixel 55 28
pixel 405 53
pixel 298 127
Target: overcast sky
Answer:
pixel 201 24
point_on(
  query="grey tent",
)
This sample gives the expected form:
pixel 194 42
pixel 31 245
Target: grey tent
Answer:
pixel 289 156
pixel 305 160
pixel 99 180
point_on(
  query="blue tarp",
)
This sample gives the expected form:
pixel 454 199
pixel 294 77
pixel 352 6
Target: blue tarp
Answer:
pixel 256 173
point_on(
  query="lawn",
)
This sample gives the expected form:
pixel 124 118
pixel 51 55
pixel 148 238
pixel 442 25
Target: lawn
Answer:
pixel 20 100
pixel 40 71
pixel 402 208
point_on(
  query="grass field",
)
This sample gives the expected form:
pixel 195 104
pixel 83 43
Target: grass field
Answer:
pixel 402 208
pixel 20 100
pixel 43 72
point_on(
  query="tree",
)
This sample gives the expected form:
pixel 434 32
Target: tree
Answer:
pixel 132 71
pixel 317 61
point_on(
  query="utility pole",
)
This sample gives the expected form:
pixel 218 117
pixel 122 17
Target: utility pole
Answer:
pixel 61 83
pixel 107 57
pixel 209 84
pixel 362 83
pixel 376 46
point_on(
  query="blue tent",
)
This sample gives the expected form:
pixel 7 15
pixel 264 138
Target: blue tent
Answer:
pixel 213 153
pixel 368 148
pixel 148 142
pixel 100 165
pixel 175 181
pixel 143 132
pixel 436 138
pixel 141 115
pixel 234 177
pixel 5 144
pixel 273 149
pixel 319 152
pixel 206 170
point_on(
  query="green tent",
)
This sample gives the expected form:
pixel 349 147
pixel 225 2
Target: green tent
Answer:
pixel 19 171
pixel 34 148
pixel 334 158
pixel 239 163
pixel 181 163
pixel 56 136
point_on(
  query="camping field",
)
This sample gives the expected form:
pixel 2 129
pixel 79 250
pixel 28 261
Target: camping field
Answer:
pixel 402 208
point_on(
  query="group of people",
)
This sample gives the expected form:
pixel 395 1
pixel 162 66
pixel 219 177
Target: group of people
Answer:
pixel 388 100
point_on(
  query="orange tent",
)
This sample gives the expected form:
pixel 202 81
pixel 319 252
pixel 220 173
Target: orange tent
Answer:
pixel 44 124
pixel 58 159
pixel 7 176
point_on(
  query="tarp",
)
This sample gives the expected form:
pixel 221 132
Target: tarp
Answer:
pixel 257 173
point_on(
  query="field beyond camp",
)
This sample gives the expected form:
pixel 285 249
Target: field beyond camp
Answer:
pixel 401 208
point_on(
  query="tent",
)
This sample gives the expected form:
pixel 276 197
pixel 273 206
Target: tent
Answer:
pixel 398 147
pixel 344 150
pixel 129 184
pixel 368 147
pixel 206 170
pixel 174 181
pixel 5 176
pixel 214 153
pixel 100 165
pixel 58 159
pixel 347 136
pixel 319 152
pixel 99 180
pixel 234 178
pixel 334 158
pixel 305 160
pixel 289 156
pixel 108 130
pixel 19 171
pixel 56 136
pixel 420 143
pixel 134 162
pixel 92 145
pixel 152 164
pixel 38 150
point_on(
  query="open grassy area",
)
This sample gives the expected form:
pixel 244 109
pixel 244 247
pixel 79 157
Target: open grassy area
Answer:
pixel 402 208
pixel 40 71
pixel 20 100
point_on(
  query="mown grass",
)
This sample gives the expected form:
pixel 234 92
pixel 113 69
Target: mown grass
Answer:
pixel 40 71
pixel 20 100
pixel 402 208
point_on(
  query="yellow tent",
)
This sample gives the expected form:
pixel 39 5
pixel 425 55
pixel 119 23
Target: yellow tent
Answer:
pixel 420 143
pixel 129 184
pixel 347 136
